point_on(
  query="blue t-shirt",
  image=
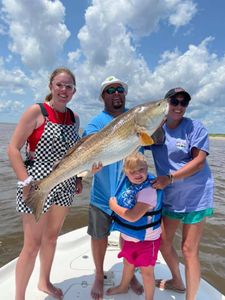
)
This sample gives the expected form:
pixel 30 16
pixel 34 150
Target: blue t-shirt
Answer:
pixel 194 192
pixel 104 182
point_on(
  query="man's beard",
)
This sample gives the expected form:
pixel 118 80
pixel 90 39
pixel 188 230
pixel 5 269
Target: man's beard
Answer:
pixel 117 104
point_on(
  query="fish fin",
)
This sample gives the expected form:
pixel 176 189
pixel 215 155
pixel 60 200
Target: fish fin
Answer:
pixel 55 165
pixel 36 200
pixel 145 139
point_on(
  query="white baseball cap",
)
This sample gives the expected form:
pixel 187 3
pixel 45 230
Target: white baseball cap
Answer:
pixel 110 80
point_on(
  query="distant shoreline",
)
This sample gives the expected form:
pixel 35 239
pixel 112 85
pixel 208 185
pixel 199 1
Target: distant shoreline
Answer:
pixel 217 137
pixel 212 136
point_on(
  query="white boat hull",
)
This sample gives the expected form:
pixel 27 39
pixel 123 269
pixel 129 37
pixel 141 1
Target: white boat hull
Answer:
pixel 73 272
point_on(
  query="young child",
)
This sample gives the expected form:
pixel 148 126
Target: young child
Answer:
pixel 137 215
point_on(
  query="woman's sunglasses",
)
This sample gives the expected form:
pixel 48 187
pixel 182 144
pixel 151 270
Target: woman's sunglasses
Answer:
pixel 111 90
pixel 175 102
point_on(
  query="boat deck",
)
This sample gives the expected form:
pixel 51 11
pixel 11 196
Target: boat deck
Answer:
pixel 73 272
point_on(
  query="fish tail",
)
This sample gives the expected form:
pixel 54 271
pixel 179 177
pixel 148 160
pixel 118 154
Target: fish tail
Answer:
pixel 36 199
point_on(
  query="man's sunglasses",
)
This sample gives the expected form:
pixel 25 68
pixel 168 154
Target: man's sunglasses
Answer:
pixel 111 90
pixel 175 102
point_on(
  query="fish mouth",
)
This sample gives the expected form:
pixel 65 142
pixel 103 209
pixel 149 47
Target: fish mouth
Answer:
pixel 165 117
pixel 158 135
pixel 167 109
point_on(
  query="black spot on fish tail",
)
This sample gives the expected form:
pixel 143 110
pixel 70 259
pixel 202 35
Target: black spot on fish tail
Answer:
pixel 158 136
pixel 35 201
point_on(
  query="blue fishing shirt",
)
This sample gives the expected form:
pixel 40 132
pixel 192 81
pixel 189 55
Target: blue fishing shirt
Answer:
pixel 104 182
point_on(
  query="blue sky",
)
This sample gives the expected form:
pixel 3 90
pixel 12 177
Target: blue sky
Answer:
pixel 153 45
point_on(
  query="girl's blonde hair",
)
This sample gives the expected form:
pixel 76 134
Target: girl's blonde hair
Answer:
pixel 55 73
pixel 134 160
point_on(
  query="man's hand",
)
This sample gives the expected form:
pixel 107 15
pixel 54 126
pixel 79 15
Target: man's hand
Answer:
pixel 160 182
pixel 96 167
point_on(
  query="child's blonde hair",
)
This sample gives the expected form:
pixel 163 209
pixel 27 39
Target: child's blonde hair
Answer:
pixel 133 161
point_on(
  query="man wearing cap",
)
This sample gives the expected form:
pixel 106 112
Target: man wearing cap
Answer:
pixel 184 174
pixel 113 92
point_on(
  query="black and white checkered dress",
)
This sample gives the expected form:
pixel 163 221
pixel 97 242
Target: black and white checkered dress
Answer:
pixel 52 146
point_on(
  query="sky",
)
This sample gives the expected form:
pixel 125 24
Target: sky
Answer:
pixel 152 45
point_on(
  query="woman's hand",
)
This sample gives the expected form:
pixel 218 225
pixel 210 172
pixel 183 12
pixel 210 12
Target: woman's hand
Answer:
pixel 96 167
pixel 79 185
pixel 112 202
pixel 161 182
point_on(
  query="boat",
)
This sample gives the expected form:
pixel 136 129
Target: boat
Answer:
pixel 73 271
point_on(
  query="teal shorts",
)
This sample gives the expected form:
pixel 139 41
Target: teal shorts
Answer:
pixel 190 217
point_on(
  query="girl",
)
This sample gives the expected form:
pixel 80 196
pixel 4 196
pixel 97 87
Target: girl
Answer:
pixel 137 216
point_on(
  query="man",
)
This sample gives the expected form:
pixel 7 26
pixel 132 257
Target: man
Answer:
pixel 113 93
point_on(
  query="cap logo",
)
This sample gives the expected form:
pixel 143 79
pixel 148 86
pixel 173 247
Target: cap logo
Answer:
pixel 177 90
pixel 110 78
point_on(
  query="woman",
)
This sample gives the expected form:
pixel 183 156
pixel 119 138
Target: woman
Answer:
pixel 48 129
pixel 185 176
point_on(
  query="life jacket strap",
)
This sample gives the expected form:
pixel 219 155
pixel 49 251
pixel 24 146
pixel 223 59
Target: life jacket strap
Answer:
pixel 153 213
pixel 135 227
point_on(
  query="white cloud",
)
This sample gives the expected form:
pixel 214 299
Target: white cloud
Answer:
pixel 108 25
pixel 107 42
pixel 14 81
pixel 36 29
pixel 182 12
pixel 10 106
pixel 73 57
pixel 108 46
pixel 144 18
pixel 202 74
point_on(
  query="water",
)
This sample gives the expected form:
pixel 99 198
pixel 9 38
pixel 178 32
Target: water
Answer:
pixel 212 250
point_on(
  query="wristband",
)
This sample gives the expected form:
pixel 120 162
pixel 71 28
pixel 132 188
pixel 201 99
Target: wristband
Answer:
pixel 170 177
pixel 26 182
